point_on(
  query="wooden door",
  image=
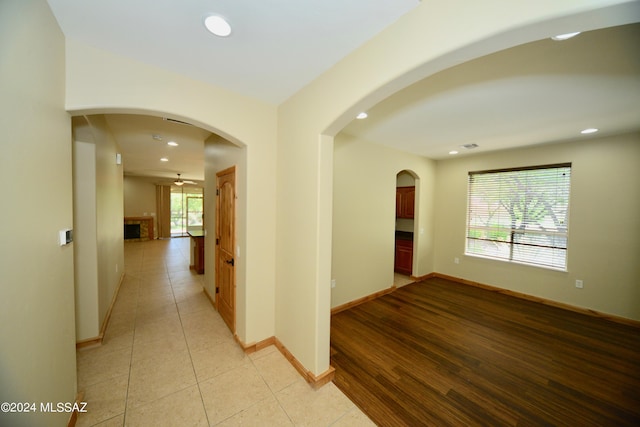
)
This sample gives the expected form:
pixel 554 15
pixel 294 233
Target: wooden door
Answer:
pixel 225 246
pixel 410 202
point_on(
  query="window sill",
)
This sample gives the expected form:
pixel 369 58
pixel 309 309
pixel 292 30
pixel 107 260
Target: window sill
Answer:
pixel 544 267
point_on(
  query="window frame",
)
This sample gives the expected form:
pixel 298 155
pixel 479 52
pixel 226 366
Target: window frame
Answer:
pixel 555 253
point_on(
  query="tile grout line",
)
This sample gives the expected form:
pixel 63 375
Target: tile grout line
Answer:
pixel 144 255
pixel 133 340
pixel 273 393
pixel 193 368
pixel 198 381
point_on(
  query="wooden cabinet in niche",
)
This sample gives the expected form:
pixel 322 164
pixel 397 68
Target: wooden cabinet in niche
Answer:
pixel 405 202
pixel 404 256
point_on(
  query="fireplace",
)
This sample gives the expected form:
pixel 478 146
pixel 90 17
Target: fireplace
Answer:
pixel 138 228
pixel 131 231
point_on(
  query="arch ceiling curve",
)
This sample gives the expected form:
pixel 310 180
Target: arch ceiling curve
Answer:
pixel 144 136
pixel 517 88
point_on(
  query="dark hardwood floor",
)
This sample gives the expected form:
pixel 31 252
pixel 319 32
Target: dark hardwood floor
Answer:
pixel 439 353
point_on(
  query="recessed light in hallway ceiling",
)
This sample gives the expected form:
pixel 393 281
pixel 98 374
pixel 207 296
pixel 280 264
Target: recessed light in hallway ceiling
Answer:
pixel 588 131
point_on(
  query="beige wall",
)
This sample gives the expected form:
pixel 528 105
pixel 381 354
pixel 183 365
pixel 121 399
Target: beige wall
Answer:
pixel 364 211
pixel 140 198
pixel 109 214
pixel 37 330
pixel 85 239
pixel 604 225
pixel 98 206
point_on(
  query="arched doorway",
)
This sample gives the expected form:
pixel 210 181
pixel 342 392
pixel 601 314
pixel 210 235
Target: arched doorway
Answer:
pixel 405 226
pixel 215 153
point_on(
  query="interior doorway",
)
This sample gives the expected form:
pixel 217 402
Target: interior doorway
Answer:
pixel 404 228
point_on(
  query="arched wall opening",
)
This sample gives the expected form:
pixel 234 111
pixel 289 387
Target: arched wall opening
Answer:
pixel 99 81
pixel 95 110
pixel 218 153
pixel 365 217
pixel 406 223
pixel 512 28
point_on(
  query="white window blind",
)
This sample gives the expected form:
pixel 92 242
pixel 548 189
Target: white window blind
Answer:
pixel 520 214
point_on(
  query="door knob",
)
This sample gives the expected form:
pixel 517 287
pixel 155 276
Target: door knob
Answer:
pixel 230 261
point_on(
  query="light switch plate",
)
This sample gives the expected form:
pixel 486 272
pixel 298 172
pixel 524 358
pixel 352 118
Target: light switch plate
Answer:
pixel 65 236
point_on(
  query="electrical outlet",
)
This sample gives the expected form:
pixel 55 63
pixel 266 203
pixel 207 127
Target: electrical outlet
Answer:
pixel 579 284
pixel 333 283
pixel 456 260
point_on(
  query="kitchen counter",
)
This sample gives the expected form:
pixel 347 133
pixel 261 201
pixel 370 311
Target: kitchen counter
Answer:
pixel 404 235
pixel 197 250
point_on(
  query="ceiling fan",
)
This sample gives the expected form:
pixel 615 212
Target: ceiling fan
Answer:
pixel 180 182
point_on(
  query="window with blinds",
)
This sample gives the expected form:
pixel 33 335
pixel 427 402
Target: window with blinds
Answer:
pixel 520 215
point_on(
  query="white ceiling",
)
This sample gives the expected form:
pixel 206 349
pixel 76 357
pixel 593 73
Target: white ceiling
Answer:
pixel 143 140
pixel 275 49
pixel 540 92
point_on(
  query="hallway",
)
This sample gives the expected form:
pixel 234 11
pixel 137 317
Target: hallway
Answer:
pixel 168 359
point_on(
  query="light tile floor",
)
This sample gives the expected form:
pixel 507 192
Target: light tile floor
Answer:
pixel 168 359
pixel 401 280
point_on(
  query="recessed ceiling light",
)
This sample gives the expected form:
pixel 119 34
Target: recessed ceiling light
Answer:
pixel 588 131
pixel 164 159
pixel 172 143
pixel 566 36
pixel 217 25
pixel 362 115
pixel 453 152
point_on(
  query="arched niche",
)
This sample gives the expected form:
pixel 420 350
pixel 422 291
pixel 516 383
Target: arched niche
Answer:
pixel 406 225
